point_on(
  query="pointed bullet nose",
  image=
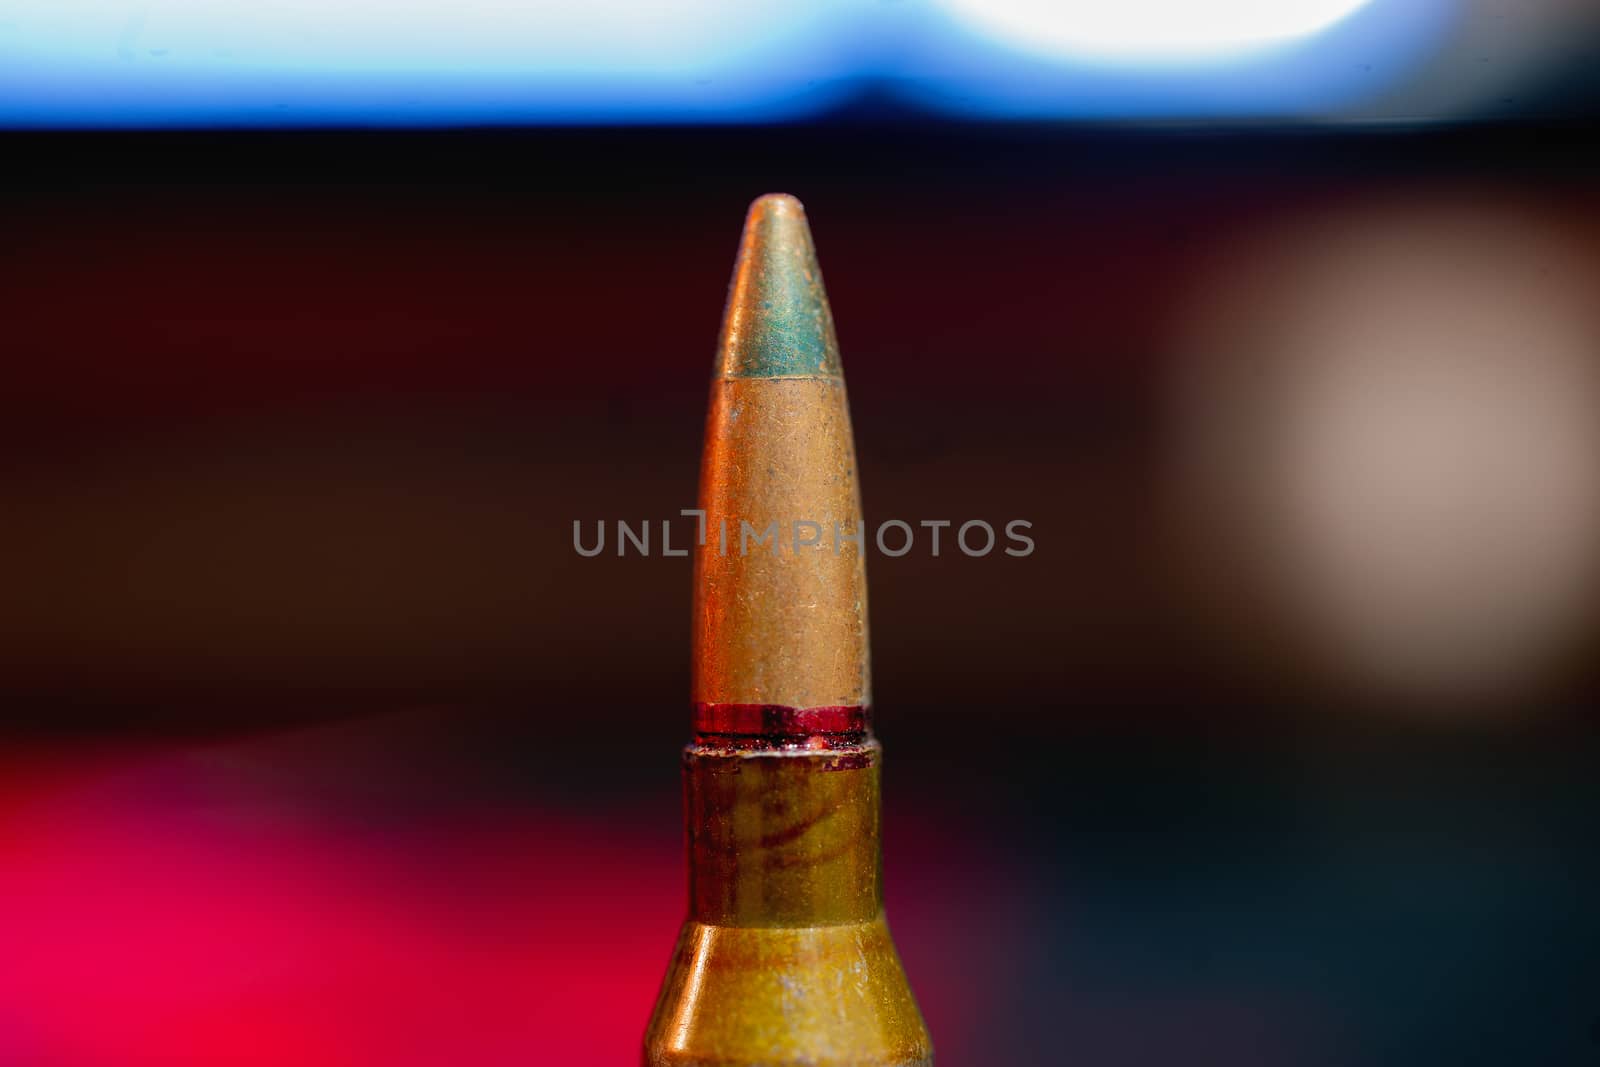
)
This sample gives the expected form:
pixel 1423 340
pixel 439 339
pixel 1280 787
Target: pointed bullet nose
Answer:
pixel 778 323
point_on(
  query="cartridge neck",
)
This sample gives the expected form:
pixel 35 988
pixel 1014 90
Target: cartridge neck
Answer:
pixel 783 832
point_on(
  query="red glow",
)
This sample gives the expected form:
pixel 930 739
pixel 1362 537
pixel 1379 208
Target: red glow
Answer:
pixel 166 910
pixel 144 930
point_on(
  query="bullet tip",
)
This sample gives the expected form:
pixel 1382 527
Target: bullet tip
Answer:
pixel 778 323
pixel 780 203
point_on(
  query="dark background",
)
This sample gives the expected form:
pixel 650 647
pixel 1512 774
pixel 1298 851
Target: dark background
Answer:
pixel 323 745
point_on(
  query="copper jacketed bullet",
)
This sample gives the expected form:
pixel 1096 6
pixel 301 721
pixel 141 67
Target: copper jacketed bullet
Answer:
pixel 785 957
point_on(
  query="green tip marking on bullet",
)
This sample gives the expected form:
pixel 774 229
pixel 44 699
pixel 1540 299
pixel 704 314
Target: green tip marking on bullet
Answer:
pixel 778 323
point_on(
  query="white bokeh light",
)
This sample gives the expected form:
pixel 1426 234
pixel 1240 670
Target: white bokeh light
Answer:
pixel 1148 30
pixel 1393 420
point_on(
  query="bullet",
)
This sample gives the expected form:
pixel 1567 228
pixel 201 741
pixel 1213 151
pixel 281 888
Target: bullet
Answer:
pixel 785 957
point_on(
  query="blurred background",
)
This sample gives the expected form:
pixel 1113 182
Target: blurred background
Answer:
pixel 321 743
